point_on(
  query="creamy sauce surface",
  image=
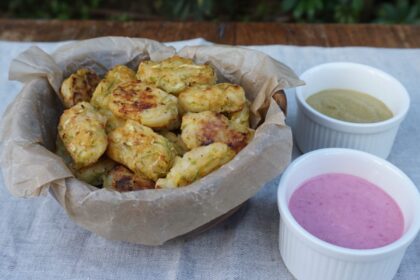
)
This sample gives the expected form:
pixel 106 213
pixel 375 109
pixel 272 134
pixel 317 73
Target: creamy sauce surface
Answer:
pixel 350 106
pixel 347 211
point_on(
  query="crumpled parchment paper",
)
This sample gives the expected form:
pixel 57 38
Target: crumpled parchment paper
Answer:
pixel 149 217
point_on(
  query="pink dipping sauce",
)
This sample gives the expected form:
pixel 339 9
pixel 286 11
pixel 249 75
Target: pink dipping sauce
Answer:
pixel 347 211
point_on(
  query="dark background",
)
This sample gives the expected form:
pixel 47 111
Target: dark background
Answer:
pixel 312 11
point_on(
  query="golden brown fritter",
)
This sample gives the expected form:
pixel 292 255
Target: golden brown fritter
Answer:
pixel 219 98
pixel 241 117
pixel 200 129
pixel 123 179
pixel 141 149
pixel 176 73
pixel 146 104
pixel 79 87
pixel 196 164
pixel 82 130
pixel 117 75
pixel 176 141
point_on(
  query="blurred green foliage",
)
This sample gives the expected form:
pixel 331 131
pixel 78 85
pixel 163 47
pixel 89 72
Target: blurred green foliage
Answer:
pixel 402 12
pixel 48 9
pixel 339 11
pixel 346 11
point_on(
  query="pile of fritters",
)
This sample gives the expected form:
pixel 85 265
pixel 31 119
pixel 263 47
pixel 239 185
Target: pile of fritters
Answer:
pixel 164 127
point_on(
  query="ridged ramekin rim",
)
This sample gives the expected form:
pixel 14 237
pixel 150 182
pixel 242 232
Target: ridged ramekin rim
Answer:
pixel 350 126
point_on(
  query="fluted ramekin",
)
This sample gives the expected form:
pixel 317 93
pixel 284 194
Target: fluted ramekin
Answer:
pixel 314 130
pixel 310 258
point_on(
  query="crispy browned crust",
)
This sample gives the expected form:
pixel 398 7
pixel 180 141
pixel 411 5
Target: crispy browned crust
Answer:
pixel 79 87
pixel 210 133
pixel 129 99
pixel 200 129
pixel 144 103
pixel 122 179
pixel 142 100
pixel 117 75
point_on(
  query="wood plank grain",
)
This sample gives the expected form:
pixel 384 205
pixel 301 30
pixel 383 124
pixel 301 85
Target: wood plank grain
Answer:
pixel 327 35
pixel 54 30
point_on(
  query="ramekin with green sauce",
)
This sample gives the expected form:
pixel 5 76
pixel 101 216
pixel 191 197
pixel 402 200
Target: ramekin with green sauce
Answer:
pixel 349 105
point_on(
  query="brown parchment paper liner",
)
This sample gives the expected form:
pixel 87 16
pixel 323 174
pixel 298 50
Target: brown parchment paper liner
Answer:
pixel 149 217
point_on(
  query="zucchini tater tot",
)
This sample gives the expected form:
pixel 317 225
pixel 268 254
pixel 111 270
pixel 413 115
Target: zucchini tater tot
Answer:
pixel 146 104
pixel 196 164
pixel 217 98
pixel 78 87
pixel 204 128
pixel 82 130
pixel 165 126
pixel 176 73
pixel 117 75
pixel 241 117
pixel 142 150
pixel 122 179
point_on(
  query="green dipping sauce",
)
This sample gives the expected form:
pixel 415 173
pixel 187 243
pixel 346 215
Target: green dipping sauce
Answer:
pixel 350 106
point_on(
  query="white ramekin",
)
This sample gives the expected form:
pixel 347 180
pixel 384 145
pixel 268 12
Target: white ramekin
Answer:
pixel 314 130
pixel 310 258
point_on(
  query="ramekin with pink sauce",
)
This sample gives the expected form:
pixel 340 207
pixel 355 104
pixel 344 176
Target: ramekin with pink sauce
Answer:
pixel 308 257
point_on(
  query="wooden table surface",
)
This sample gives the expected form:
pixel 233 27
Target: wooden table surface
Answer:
pixel 328 35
